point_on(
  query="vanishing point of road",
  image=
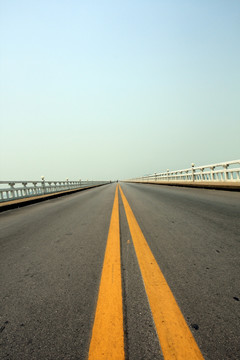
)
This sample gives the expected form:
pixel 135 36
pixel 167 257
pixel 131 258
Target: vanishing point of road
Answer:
pixel 125 271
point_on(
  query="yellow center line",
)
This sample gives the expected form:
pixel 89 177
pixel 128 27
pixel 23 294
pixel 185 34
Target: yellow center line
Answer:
pixel 107 340
pixel 176 339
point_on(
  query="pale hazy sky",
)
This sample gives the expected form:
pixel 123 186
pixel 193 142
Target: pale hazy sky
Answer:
pixel 115 89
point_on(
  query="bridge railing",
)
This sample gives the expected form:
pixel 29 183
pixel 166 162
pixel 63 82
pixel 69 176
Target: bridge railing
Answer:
pixel 12 190
pixel 224 172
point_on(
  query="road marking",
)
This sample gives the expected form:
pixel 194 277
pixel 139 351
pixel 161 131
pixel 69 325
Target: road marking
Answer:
pixel 107 340
pixel 176 340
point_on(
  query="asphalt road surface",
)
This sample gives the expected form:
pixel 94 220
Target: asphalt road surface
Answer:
pixel 142 272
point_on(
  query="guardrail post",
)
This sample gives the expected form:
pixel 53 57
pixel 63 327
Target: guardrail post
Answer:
pixel 212 174
pixel 25 188
pixel 43 185
pixel 50 186
pixel 225 171
pixel 238 175
pixel 35 187
pixel 12 188
pixel 55 186
pixel 193 171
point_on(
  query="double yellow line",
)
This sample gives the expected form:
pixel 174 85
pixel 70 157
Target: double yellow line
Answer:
pixel 107 342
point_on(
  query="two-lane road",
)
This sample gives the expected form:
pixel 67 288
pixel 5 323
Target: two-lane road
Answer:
pixel 141 272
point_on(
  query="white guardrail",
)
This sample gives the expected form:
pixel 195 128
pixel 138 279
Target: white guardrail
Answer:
pixel 226 172
pixel 12 190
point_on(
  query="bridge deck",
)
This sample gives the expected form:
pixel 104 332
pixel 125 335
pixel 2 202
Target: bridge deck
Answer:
pixel 174 250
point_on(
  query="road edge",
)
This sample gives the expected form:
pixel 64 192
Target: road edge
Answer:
pixel 211 186
pixel 4 206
